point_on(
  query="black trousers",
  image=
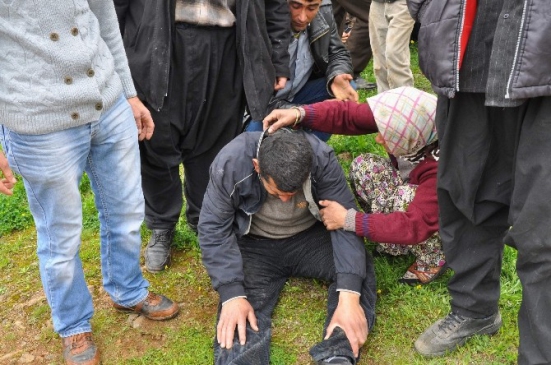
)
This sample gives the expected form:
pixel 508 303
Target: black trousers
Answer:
pixel 494 187
pixel 358 42
pixel 267 264
pixel 202 112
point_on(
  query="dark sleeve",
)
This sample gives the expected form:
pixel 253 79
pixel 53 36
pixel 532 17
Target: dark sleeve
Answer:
pixel 348 249
pixel 278 26
pixel 121 7
pixel 416 8
pixel 339 58
pixel 339 117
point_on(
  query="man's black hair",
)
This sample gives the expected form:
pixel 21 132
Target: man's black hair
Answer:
pixel 286 157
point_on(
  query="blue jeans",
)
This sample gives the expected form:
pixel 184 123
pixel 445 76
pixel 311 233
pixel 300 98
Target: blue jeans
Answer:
pixel 267 264
pixel 51 166
pixel 313 91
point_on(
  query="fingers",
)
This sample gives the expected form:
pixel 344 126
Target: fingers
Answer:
pixel 8 181
pixel 225 332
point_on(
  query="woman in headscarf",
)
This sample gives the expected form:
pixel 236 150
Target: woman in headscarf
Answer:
pixel 398 192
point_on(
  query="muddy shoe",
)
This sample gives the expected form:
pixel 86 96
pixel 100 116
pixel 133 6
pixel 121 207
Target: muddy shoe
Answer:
pixel 421 275
pixel 157 252
pixel 155 307
pixel 453 331
pixel 80 350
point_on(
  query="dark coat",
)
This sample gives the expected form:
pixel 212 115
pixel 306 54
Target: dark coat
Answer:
pixel 262 28
pixel 235 193
pixel 331 58
pixel 442 25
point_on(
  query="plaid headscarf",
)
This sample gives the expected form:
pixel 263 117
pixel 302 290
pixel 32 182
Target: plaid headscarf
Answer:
pixel 405 119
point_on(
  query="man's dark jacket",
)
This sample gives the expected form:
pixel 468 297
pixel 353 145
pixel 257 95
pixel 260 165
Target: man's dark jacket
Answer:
pixel 235 193
pixel 331 58
pixel 262 28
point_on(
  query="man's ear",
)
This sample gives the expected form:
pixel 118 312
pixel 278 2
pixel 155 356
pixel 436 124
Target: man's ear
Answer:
pixel 256 166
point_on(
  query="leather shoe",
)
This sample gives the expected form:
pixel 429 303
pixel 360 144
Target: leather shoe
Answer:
pixel 157 252
pixel 363 84
pixel 155 307
pixel 80 350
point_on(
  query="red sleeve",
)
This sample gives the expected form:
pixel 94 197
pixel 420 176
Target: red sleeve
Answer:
pixel 339 117
pixel 413 226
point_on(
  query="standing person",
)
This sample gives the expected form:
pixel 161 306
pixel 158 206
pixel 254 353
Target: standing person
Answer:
pixel 68 105
pixel 397 194
pixel 260 225
pixel 188 60
pixel 358 42
pixel 320 65
pixel 390 26
pixel 489 63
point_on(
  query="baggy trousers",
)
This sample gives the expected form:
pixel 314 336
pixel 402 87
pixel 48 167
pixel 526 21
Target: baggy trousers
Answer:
pixel 267 264
pixel 202 112
pixel 494 187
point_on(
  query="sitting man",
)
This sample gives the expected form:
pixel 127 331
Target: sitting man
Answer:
pixel 320 64
pixel 260 225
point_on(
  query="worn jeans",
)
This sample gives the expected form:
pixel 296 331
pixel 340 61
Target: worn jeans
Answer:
pixel 52 166
pixel 267 264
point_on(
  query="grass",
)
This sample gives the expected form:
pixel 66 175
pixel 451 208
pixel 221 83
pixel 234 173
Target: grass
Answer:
pixel 403 312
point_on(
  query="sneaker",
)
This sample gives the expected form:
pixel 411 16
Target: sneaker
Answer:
pixel 416 274
pixel 453 331
pixel 336 360
pixel 80 350
pixel 361 83
pixel 157 252
pixel 155 307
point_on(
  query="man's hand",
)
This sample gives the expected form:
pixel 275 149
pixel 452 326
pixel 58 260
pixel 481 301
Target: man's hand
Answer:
pixel 8 180
pixel 333 215
pixel 280 83
pixel 144 122
pixel 234 313
pixel 279 118
pixel 350 316
pixel 342 89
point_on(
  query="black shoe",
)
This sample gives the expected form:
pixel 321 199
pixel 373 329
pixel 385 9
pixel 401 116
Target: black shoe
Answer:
pixel 155 307
pixel 157 252
pixel 336 360
pixel 453 331
pixel 363 84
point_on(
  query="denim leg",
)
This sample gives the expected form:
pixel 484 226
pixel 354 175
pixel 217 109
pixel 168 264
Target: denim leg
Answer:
pixel 313 92
pixel 51 166
pixel 264 279
pixel 113 166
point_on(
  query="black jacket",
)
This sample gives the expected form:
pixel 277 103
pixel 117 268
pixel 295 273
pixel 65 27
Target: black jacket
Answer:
pixel 331 58
pixel 262 28
pixel 235 193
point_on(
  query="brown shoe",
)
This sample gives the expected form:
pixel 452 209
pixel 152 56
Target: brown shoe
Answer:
pixel 155 307
pixel 80 350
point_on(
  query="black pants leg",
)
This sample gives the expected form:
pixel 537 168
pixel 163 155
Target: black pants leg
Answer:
pixel 267 264
pixel 202 113
pixel 530 231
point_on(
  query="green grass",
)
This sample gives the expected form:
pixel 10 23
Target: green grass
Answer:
pixel 403 312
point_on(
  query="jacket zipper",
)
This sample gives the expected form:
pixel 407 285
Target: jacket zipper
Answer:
pixel 458 55
pixel 517 48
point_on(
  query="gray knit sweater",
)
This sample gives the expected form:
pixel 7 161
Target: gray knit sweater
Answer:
pixel 62 63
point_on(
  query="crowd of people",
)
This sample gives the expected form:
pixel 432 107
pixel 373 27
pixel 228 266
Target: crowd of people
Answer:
pixel 129 91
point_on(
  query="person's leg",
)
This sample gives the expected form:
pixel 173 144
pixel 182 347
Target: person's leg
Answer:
pixel 358 42
pixel 378 28
pixel 212 105
pixel 474 204
pixel 265 275
pixel 310 254
pixel 51 166
pixel 530 231
pixel 397 45
pixel 113 166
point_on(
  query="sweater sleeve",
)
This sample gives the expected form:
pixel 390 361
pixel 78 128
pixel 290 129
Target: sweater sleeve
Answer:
pixel 339 117
pixel 111 34
pixel 413 226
